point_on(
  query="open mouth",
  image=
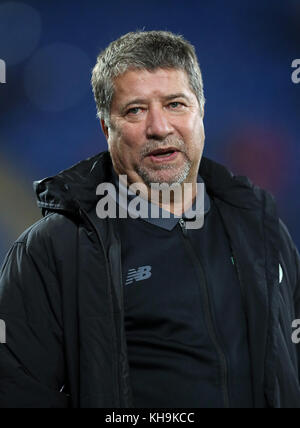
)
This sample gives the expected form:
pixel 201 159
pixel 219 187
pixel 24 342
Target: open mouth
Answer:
pixel 167 154
pixel 163 153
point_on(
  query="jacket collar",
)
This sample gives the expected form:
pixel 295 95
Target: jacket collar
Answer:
pixel 165 220
pixel 75 188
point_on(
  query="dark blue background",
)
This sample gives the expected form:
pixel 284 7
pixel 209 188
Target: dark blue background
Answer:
pixel 48 116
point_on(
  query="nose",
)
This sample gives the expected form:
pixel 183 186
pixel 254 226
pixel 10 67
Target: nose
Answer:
pixel 158 125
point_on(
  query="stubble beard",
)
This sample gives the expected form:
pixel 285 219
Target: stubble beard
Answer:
pixel 151 176
pixel 156 173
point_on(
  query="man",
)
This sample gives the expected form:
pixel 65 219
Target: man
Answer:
pixel 104 311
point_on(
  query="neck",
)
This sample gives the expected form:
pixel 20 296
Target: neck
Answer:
pixel 175 198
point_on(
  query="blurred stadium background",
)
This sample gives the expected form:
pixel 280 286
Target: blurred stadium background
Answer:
pixel 47 112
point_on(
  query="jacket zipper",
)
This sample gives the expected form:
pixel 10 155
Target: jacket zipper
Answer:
pixel 235 263
pixel 126 382
pixel 116 360
pixel 209 321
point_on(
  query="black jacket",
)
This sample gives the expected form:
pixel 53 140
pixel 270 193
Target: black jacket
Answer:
pixel 61 295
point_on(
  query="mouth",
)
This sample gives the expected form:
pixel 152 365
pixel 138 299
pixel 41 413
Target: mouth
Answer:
pixel 163 152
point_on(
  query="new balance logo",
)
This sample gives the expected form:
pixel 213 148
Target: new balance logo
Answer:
pixel 143 272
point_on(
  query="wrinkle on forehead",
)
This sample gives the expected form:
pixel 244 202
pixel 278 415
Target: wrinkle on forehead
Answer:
pixel 143 84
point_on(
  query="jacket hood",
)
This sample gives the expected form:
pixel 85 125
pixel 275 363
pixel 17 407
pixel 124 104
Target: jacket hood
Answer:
pixel 75 187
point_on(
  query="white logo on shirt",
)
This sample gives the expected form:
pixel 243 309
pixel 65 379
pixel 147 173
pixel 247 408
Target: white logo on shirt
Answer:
pixel 280 274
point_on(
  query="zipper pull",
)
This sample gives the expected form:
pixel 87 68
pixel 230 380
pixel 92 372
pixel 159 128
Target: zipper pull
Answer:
pixel 183 226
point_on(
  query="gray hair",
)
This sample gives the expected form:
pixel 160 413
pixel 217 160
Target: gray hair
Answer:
pixel 144 50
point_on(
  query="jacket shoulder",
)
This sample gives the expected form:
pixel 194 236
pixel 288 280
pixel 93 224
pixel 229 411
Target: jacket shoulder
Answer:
pixel 34 268
pixel 54 228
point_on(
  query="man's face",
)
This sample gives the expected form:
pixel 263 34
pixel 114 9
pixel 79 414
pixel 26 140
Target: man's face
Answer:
pixel 152 113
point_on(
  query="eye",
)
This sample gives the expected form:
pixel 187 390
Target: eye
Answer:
pixel 134 110
pixel 176 104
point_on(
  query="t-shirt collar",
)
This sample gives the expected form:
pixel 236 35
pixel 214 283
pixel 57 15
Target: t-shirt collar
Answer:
pixel 166 220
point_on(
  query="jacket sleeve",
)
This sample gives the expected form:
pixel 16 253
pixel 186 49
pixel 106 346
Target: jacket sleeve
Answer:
pixel 32 369
pixel 291 258
pixel 297 288
pixel 290 263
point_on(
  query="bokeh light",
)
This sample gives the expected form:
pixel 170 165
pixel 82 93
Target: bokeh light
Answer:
pixel 57 77
pixel 20 31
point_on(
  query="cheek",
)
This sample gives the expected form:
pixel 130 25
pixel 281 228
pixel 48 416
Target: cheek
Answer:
pixel 193 134
pixel 129 137
pixel 124 144
pixel 201 134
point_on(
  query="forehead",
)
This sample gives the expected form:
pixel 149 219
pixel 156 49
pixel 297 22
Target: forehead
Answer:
pixel 145 84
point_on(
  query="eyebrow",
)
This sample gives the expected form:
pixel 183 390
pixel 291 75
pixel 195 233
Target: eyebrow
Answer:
pixel 166 98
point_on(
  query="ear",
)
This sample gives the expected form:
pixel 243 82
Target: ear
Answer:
pixel 104 129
